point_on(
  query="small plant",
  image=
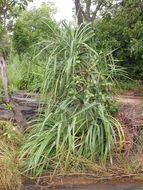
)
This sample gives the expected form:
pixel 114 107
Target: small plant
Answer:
pixel 113 107
pixel 8 106
pixel 9 133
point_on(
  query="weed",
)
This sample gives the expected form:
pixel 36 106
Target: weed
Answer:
pixel 8 106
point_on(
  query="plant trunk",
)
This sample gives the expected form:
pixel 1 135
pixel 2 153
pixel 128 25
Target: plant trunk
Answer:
pixel 7 99
pixel 78 12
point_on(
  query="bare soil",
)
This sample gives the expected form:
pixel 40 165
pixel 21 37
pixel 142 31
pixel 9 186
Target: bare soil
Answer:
pixel 131 106
pixel 76 182
pixel 130 115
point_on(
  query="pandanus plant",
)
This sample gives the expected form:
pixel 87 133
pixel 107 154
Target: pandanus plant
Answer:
pixel 77 123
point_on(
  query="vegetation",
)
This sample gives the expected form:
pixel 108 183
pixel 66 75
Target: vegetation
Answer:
pixel 32 27
pixel 10 141
pixel 76 69
pixel 123 33
pixel 9 11
pixel 77 122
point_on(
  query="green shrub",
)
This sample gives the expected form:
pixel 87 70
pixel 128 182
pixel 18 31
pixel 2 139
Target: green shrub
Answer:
pixel 122 32
pixel 77 123
pixel 31 27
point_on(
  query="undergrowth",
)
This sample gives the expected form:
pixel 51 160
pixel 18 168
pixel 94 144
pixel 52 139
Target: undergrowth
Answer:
pixel 128 85
pixel 10 142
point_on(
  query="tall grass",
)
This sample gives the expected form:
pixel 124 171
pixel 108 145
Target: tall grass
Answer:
pixel 77 123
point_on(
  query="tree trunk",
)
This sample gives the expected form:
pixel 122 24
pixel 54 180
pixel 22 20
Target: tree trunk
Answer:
pixel 7 99
pixel 78 12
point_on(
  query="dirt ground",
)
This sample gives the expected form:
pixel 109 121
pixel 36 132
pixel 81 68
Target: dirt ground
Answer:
pixel 131 106
pixel 87 183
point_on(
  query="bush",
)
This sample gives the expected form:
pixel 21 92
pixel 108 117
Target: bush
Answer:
pixel 77 123
pixel 31 27
pixel 122 32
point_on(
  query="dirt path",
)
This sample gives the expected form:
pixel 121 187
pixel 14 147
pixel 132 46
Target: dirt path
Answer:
pixel 130 115
pixel 118 185
pixel 130 98
pixel 126 186
pixel 131 107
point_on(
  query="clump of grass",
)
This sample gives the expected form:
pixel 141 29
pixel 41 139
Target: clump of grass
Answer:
pixel 77 124
pixel 10 141
pixel 10 135
pixel 10 177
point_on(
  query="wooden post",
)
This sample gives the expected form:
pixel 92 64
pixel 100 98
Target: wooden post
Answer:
pixel 7 99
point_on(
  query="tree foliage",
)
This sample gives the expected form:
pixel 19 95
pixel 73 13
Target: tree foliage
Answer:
pixel 32 27
pixel 9 11
pixel 123 32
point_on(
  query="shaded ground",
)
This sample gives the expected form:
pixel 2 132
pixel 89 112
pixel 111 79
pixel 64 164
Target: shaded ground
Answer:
pixel 96 187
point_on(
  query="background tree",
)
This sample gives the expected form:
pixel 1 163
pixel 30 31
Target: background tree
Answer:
pixel 9 11
pixel 88 10
pixel 123 33
pixel 33 26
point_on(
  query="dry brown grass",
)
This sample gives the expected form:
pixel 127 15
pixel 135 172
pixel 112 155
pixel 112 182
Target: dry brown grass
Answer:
pixel 10 177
